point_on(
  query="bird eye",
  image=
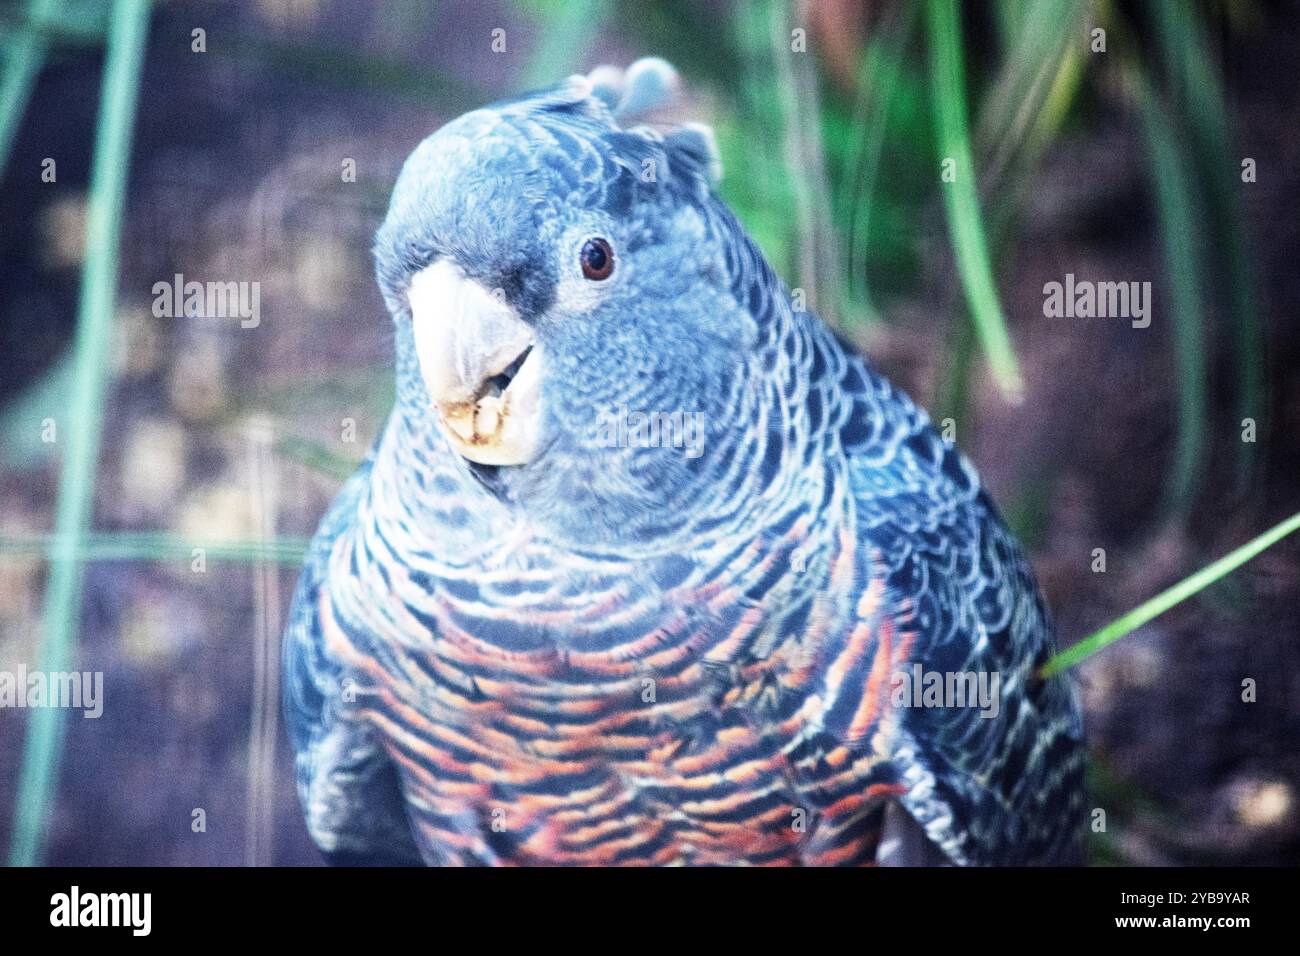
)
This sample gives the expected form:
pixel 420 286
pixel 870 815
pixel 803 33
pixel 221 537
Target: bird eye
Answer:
pixel 597 259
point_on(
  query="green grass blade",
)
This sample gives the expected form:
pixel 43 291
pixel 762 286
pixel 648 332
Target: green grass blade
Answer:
pixel 82 423
pixel 1200 90
pixel 961 199
pixel 878 80
pixel 1033 57
pixel 155 546
pixel 1182 244
pixel 24 55
pixel 1162 602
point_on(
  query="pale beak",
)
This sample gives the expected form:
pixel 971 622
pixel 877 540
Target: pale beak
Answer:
pixel 480 364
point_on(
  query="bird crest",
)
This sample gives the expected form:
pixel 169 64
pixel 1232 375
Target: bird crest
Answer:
pixel 638 99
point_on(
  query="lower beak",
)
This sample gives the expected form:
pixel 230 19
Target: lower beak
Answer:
pixel 480 364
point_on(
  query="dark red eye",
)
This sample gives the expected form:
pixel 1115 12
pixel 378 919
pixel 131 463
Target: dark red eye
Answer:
pixel 597 259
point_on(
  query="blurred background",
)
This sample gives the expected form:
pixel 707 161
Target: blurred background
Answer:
pixel 160 476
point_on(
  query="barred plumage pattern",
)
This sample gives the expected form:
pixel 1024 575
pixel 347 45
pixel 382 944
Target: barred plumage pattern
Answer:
pixel 702 676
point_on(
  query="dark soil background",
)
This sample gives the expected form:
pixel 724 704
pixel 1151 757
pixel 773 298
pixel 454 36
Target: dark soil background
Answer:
pixel 236 176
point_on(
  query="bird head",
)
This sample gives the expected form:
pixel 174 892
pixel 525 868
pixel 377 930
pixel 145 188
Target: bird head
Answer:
pixel 563 286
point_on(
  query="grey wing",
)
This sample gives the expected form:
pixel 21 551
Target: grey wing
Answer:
pixel 995 785
pixel 1002 785
pixel 349 789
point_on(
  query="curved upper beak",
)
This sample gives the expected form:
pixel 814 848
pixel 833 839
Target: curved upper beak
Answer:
pixel 480 363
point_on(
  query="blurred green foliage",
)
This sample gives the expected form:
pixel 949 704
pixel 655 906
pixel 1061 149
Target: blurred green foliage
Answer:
pixel 85 402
